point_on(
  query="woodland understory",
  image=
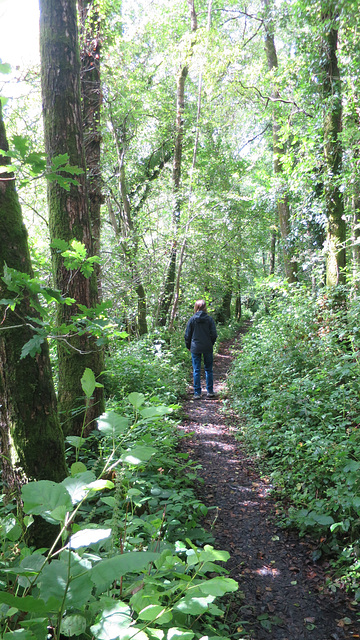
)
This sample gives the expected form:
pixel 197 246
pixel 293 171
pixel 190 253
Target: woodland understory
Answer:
pixel 162 152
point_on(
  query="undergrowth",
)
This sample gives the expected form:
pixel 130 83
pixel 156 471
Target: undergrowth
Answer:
pixel 130 558
pixel 297 381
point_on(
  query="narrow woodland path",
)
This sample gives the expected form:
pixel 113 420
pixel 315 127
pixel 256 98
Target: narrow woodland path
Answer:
pixel 282 592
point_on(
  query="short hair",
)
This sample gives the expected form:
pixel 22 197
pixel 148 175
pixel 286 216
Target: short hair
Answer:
pixel 200 305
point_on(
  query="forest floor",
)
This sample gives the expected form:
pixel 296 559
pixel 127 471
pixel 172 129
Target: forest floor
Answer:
pixel 282 592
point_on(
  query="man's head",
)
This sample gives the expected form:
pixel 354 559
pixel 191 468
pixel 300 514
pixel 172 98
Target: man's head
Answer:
pixel 200 305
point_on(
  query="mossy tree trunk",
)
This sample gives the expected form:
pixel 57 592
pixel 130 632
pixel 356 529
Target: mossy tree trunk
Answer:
pixel 32 443
pixel 69 216
pixel 336 226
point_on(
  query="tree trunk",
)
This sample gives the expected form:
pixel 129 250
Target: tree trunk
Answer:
pixel 170 276
pixel 90 51
pixel 283 209
pixel 32 443
pixel 68 210
pixel 336 227
pixel 272 252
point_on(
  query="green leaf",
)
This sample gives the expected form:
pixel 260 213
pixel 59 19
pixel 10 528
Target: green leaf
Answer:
pixel 67 579
pixel 111 621
pixel 60 244
pixel 106 571
pixel 28 603
pixel 19 634
pixel 179 634
pixel 88 537
pixel 137 455
pixel 75 441
pixel 43 497
pixel 156 612
pixel 111 424
pixel 88 382
pixel 77 467
pixel 218 586
pixel 155 412
pixel 323 519
pixel 32 346
pixel 73 625
pixel 77 486
pixel 194 605
pixel 136 399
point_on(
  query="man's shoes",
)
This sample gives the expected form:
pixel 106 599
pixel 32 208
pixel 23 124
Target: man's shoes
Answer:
pixel 197 396
pixel 211 395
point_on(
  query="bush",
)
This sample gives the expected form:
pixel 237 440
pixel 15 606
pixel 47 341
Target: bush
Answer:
pixel 297 381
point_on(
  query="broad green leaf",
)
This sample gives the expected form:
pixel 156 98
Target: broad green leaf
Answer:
pixel 28 603
pixel 218 586
pixel 155 412
pixel 10 528
pixel 323 519
pixel 106 571
pixel 43 497
pixel 155 612
pixel 136 399
pixel 111 621
pixel 32 564
pixel 77 486
pixel 19 634
pixel 111 424
pixel 194 605
pixel 75 441
pixel 87 537
pixel 77 467
pixel 73 625
pixel 62 581
pixel 88 382
pixel 137 455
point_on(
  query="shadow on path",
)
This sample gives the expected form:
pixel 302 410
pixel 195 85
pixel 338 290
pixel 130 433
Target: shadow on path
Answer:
pixel 282 591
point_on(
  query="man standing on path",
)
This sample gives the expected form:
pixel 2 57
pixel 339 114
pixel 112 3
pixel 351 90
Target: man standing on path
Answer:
pixel 200 336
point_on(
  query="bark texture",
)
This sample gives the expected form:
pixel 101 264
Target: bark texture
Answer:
pixel 68 210
pixel 32 444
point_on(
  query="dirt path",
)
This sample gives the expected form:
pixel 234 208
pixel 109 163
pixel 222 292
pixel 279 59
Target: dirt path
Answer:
pixel 282 593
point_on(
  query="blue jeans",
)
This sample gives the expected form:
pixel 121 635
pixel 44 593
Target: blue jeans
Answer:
pixel 208 366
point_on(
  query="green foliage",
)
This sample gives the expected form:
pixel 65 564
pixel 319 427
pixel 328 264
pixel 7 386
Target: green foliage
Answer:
pixel 130 558
pixel 149 365
pixel 297 383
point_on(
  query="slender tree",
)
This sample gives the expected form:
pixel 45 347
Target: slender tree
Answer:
pixel 69 215
pixel 32 443
pixel 290 263
pixel 331 85
pixel 170 276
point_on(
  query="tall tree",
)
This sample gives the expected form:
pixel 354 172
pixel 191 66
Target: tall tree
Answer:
pixel 290 263
pixel 90 55
pixel 169 285
pixel 331 85
pixel 69 216
pixel 32 443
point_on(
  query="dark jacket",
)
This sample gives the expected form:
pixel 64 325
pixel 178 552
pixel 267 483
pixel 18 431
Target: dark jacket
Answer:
pixel 200 334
